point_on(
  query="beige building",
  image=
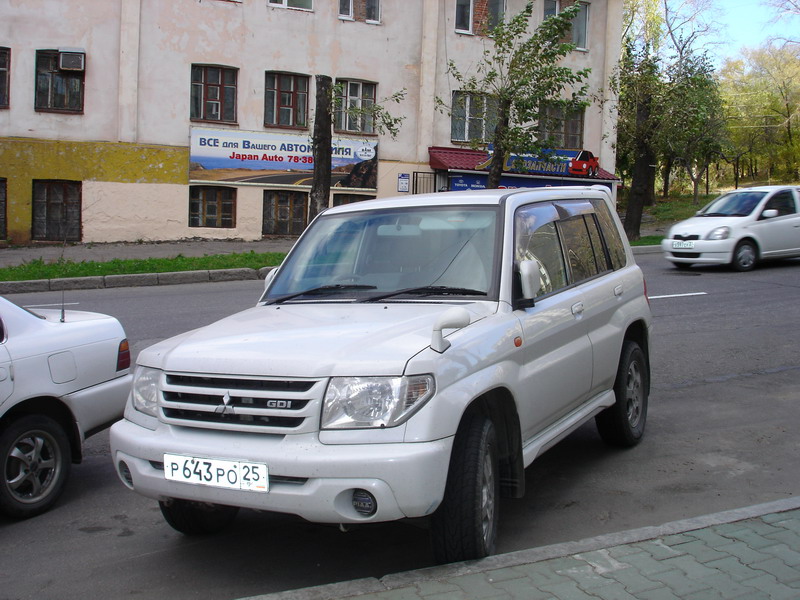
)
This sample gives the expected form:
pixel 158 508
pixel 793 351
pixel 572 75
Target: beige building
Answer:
pixel 126 120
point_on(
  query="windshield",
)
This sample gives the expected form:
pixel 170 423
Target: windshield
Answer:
pixel 733 204
pixel 411 252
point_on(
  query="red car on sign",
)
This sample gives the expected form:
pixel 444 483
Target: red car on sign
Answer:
pixel 585 163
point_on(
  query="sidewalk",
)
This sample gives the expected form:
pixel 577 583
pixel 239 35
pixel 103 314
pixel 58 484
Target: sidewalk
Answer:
pixel 750 553
pixel 105 252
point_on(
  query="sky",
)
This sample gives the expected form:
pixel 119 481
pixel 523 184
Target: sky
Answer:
pixel 749 23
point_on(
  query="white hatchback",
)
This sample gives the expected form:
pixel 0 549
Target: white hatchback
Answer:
pixel 63 377
pixel 739 228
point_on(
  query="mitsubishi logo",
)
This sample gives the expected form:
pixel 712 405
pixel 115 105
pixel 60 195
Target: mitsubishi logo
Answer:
pixel 225 408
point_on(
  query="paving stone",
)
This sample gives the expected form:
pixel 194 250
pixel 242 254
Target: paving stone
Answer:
pixel 710 537
pixel 645 564
pixel 744 553
pixel 788 537
pixel 613 591
pixel 657 549
pixel 586 577
pixel 700 551
pixel 692 568
pixel 429 588
pixel 779 569
pixel 540 574
pixel 773 589
pixel 633 581
pixel 659 594
pixel 678 538
pixel 734 568
pixel 677 581
pixel 749 535
pixel 522 588
pixel 476 586
pixel 567 590
pixel 785 553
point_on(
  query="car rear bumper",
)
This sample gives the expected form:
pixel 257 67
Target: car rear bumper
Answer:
pixel 307 478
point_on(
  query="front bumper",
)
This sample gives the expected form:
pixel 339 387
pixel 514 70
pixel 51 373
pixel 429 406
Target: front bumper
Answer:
pixel 708 252
pixel 307 478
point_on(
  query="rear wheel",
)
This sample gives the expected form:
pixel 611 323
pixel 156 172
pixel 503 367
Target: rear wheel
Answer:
pixel 464 526
pixel 197 518
pixel 36 461
pixel 745 256
pixel 623 423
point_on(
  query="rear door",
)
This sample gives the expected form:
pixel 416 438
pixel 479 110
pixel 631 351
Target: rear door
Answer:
pixel 780 236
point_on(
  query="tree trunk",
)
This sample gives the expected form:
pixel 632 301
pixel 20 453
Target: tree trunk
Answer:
pixel 642 181
pixel 499 153
pixel 665 174
pixel 321 147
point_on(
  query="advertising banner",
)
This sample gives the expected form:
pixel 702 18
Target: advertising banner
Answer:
pixel 278 158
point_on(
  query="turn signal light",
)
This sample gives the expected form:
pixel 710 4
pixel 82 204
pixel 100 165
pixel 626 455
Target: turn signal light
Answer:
pixel 123 356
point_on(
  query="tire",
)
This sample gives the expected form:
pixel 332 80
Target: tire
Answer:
pixel 464 527
pixel 197 518
pixel 623 423
pixel 745 256
pixel 36 460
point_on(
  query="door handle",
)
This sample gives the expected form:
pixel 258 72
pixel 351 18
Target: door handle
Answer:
pixel 577 309
pixel 618 290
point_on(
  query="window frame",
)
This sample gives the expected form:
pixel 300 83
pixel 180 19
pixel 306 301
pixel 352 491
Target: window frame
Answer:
pixel 5 77
pixel 344 100
pixel 459 6
pixel 67 204
pixel 563 133
pixel 205 86
pixel 222 205
pixel 286 4
pixel 487 118
pixel 55 77
pixel 296 97
pixel 553 7
pixel 376 6
pixel 348 15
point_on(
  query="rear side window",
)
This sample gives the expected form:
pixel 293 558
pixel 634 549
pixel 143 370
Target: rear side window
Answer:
pixel 537 239
pixel 580 253
pixel 610 233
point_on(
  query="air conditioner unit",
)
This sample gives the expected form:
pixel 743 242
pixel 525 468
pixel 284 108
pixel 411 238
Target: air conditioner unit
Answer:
pixel 71 61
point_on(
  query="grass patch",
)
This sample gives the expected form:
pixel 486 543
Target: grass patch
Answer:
pixel 38 269
pixel 648 240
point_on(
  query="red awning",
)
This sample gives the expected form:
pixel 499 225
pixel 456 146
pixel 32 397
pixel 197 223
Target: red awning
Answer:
pixel 466 159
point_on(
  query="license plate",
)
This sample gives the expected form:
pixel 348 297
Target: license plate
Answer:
pixel 682 244
pixel 231 474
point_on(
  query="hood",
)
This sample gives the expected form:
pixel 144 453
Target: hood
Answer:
pixel 307 340
pixel 703 225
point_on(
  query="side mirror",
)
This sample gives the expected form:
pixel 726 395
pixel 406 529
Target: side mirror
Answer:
pixel 530 279
pixel 453 318
pixel 270 276
pixel 770 213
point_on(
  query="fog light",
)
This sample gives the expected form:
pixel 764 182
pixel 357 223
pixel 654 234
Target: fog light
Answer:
pixel 364 503
pixel 125 474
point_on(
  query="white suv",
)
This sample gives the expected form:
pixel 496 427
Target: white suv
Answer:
pixel 409 359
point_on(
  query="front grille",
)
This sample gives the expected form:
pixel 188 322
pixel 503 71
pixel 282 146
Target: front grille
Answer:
pixel 686 254
pixel 254 404
pixel 686 238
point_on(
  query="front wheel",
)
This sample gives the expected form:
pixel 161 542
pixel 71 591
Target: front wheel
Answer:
pixel 197 518
pixel 464 527
pixel 36 462
pixel 623 423
pixel 744 256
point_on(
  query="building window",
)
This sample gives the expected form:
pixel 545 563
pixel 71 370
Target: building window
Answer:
pixel 286 100
pixel 346 9
pixel 580 25
pixel 304 4
pixel 373 11
pixel 473 117
pixel 56 211
pixel 5 66
pixel 212 206
pixel 213 93
pixel 354 101
pixel 285 213
pixel 565 128
pixel 464 16
pixel 58 89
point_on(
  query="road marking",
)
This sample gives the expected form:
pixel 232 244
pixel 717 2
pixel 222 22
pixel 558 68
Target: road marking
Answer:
pixel 678 295
pixel 47 305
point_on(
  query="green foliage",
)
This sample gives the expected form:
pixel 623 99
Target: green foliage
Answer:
pixel 39 269
pixel 521 75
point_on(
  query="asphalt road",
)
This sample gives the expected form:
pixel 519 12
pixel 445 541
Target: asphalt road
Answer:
pixel 721 435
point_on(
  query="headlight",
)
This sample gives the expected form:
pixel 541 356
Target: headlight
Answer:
pixel 355 402
pixel 720 233
pixel 145 390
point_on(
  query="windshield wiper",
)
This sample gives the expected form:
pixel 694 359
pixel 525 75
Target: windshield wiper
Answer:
pixel 318 290
pixel 427 290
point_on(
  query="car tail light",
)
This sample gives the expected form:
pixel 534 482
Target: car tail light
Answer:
pixel 123 356
pixel 645 290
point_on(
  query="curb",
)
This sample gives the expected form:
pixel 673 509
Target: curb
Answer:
pixel 172 278
pixel 398 581
pixel 133 280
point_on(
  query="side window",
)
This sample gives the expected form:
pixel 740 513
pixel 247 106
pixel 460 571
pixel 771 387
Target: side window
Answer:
pixel 783 202
pixel 611 236
pixel 213 93
pixel 5 65
pixel 211 206
pixel 578 249
pixel 59 81
pixel 537 240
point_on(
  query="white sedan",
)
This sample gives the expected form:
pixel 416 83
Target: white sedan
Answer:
pixel 739 228
pixel 63 377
